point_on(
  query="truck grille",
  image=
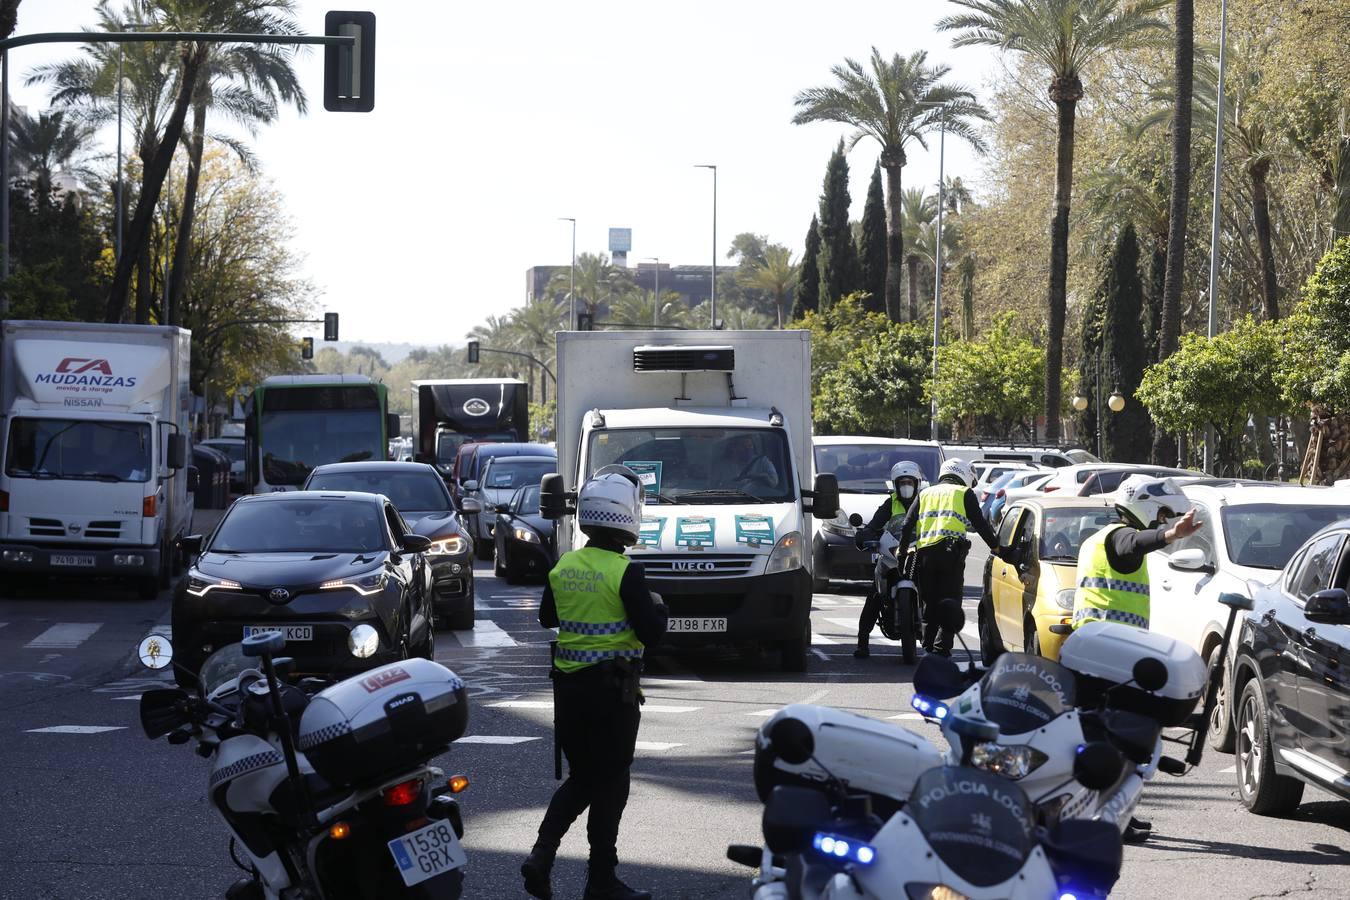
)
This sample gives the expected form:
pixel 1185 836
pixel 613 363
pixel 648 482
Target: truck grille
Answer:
pixel 109 529
pixel 46 528
pixel 697 565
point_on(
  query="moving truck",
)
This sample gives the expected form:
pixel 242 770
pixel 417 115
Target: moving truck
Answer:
pixel 717 424
pixel 93 480
pixel 453 411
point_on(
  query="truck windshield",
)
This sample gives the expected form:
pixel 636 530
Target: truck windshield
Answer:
pixel 700 465
pixel 304 427
pixel 80 449
pixel 866 468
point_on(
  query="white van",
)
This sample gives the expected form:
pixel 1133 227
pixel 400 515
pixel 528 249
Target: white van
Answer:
pixel 1052 457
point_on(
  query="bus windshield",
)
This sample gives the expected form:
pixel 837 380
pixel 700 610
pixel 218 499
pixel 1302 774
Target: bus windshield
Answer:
pixel 303 427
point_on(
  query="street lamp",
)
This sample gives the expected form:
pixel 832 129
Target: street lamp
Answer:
pixel 1214 221
pixel 1115 403
pixel 712 301
pixel 572 291
pixel 656 291
pixel 937 280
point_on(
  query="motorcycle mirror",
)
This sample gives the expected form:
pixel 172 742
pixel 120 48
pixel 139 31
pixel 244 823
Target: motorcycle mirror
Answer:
pixel 264 643
pixel 1085 853
pixel 161 711
pixel 792 816
pixel 155 652
pixel 937 676
pixel 791 741
pixel 951 616
pixel 855 520
pixel 1150 673
pixel 1098 765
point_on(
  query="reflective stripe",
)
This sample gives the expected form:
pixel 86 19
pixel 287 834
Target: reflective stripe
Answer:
pixel 1092 614
pixel 1114 584
pixel 947 514
pixel 594 656
pixel 594 627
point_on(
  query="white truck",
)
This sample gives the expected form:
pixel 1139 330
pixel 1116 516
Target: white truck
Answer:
pixel 93 478
pixel 717 424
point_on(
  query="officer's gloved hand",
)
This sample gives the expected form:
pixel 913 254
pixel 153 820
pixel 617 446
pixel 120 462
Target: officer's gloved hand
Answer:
pixel 860 538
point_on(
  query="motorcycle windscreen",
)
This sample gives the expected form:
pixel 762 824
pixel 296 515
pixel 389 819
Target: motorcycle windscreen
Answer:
pixel 1021 693
pixel 895 527
pixel 980 825
pixel 224 665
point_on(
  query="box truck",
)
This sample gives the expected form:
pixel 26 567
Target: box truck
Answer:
pixel 717 425
pixel 448 412
pixel 93 480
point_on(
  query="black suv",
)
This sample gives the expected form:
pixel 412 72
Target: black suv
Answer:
pixel 1292 680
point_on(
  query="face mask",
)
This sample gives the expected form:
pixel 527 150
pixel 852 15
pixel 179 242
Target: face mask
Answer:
pixel 906 491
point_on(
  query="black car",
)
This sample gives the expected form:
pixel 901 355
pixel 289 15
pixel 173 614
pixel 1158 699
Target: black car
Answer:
pixel 338 573
pixel 471 473
pixel 419 494
pixel 1291 676
pixel 525 543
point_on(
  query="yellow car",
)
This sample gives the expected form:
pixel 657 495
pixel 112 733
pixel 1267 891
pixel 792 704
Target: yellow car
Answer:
pixel 1024 598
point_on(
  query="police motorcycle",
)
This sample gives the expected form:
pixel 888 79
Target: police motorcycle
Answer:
pixel 900 618
pixel 961 832
pixel 326 788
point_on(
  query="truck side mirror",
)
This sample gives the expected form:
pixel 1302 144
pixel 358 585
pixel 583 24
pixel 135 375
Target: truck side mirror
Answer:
pixel 553 497
pixel 825 496
pixel 391 425
pixel 176 453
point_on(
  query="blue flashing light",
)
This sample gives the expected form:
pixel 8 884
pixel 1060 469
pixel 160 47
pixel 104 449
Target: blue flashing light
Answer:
pixel 866 855
pixel 1068 896
pixel 844 849
pixel 930 708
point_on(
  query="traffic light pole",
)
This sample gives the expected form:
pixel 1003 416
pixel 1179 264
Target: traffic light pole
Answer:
pixel 537 362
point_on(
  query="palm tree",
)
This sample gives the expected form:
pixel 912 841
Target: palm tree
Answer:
pixel 598 282
pixel 955 194
pixel 776 276
pixel 1063 36
pixel 48 144
pixel 917 210
pixel 887 104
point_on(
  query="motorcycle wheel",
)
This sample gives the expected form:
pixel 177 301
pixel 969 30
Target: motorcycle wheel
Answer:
pixel 905 613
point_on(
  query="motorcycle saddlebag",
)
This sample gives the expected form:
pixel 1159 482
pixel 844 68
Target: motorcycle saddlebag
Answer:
pixel 1103 656
pixel 382 721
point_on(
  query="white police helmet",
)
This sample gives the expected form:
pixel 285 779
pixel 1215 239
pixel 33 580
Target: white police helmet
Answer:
pixel 961 469
pixel 1142 498
pixel 611 498
pixel 906 469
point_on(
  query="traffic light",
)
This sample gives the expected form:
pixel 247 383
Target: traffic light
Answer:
pixel 473 352
pixel 307 348
pixel 330 326
pixel 349 72
pixel 585 322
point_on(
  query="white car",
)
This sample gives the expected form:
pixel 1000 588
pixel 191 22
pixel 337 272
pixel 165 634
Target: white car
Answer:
pixel 1251 530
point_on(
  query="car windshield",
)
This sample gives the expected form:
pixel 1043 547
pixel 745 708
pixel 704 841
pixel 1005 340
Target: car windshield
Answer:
pixel 1001 481
pixel 233 449
pixel 448 443
pixel 866 468
pixel 1021 693
pixel 304 427
pixel 507 474
pixel 1266 535
pixel 319 525
pixel 224 665
pixel 1064 530
pixel 85 449
pixel 700 465
pixel 528 501
pixel 419 491
pixel 1081 456
pixel 1026 479
pixel 979 824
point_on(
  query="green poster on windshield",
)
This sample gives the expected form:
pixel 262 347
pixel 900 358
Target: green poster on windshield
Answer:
pixel 649 531
pixel 649 473
pixel 753 529
pixel 695 532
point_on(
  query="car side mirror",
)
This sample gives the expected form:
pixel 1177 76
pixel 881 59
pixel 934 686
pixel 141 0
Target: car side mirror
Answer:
pixel 1192 559
pixel 470 485
pixel 176 453
pixel 791 741
pixel 502 508
pixel 1329 607
pixel 792 816
pixel 415 543
pixel 191 545
pixel 825 496
pixel 470 506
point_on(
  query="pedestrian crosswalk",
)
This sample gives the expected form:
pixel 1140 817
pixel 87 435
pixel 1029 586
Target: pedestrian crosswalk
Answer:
pixel 65 636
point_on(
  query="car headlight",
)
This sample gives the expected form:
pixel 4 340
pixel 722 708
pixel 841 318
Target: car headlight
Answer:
pixel 451 546
pixel 365 585
pixel 788 554
pixel 838 525
pixel 363 641
pixel 1012 761
pixel 200 585
pixel 526 535
pixel 1064 599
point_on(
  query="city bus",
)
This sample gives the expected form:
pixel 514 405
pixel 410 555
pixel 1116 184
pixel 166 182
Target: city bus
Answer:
pixel 293 423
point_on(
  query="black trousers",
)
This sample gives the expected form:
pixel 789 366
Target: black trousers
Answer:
pixel 867 619
pixel 598 733
pixel 940 575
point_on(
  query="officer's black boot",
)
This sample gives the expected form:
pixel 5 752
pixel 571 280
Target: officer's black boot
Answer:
pixel 1137 831
pixel 536 869
pixel 603 884
pixel 863 651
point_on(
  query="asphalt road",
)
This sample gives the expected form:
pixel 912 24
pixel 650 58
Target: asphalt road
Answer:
pixel 94 810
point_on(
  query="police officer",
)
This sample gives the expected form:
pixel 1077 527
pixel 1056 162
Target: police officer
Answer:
pixel 905 479
pixel 598 600
pixel 1112 583
pixel 939 526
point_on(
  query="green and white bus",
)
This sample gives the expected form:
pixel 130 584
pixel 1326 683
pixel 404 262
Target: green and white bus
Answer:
pixel 294 423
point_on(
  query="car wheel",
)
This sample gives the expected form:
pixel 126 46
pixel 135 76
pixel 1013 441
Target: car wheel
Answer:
pixel 991 644
pixel 1221 734
pixel 1263 790
pixel 483 548
pixel 498 561
pixel 792 654
pixel 427 650
pixel 165 565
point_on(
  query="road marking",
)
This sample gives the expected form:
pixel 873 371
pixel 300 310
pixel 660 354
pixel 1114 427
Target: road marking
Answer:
pixel 3 624
pixel 817 696
pixel 486 633
pixel 1228 771
pixel 821 639
pixel 66 636
pixel 655 745
pixel 495 739
pixel 907 716
pixel 763 713
pixel 548 704
pixel 76 729
pixel 821 653
pixel 128 697
pixel 134 684
pixel 691 679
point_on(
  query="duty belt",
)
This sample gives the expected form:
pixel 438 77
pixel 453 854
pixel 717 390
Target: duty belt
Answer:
pixel 594 627
pixel 592 656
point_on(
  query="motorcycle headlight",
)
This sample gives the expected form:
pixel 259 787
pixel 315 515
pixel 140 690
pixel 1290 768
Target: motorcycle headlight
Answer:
pixel 526 535
pixel 365 585
pixel 788 554
pixel 918 891
pixel 1064 599
pixel 363 641
pixel 200 585
pixel 838 525
pixel 450 546
pixel 1011 761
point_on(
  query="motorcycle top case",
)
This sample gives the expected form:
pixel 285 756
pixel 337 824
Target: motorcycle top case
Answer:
pixel 385 720
pixel 1103 655
pixel 882 759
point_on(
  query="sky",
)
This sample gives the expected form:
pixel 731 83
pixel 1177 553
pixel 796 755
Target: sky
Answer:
pixel 419 220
